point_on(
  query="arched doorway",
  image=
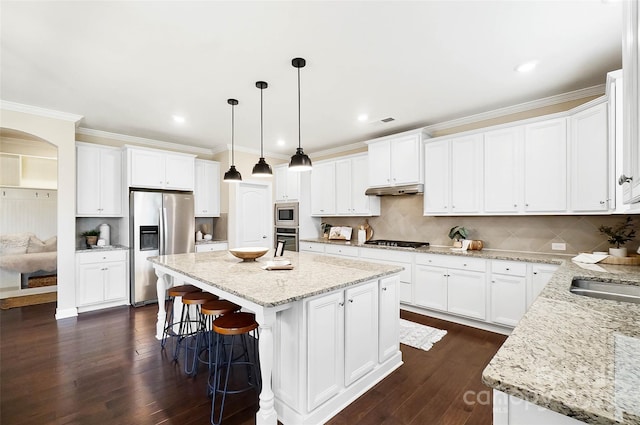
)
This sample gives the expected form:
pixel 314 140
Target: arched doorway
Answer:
pixel 28 218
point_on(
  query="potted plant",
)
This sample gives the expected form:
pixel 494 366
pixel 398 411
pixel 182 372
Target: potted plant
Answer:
pixel 91 237
pixel 618 235
pixel 456 233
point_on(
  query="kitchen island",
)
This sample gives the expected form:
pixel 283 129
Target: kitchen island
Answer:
pixel 328 328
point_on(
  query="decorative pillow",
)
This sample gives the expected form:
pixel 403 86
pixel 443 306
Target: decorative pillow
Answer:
pixel 16 243
pixel 36 245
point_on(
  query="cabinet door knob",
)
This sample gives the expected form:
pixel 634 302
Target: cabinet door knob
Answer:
pixel 341 304
pixel 507 269
pixel 535 272
pixel 351 300
pixel 601 202
pixel 515 205
pixel 624 179
pixel 384 288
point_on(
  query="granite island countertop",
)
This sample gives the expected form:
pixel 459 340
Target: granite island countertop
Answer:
pixel 312 274
pixel 102 249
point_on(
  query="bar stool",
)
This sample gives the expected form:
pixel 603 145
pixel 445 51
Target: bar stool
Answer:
pixel 176 291
pixel 245 326
pixel 189 326
pixel 206 338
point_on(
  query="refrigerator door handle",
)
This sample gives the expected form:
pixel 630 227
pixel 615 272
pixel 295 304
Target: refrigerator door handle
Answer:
pixel 163 231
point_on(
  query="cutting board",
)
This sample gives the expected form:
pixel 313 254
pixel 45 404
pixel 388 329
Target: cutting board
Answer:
pixel 368 229
pixel 631 260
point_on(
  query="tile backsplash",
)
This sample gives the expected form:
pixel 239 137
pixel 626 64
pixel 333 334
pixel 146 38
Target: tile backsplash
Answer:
pixel 401 218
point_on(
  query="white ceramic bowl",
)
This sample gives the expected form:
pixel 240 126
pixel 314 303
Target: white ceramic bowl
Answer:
pixel 249 253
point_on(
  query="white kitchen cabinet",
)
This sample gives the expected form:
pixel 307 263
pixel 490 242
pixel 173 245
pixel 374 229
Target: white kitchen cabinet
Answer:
pixel 508 292
pixel 99 189
pixel 212 247
pixel 396 160
pixel 511 410
pixel 453 170
pixel 157 169
pixel 101 279
pixel 539 277
pixel 452 284
pixel 388 323
pixel 287 184
pixel 503 163
pixel 351 184
pixel 629 178
pixel 436 177
pixel 206 193
pixel 545 166
pixel 315 247
pixel 360 331
pixel 323 189
pixel 341 250
pixel 466 171
pixel 590 174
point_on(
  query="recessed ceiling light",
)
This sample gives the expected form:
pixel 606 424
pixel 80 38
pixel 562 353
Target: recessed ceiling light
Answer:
pixel 281 142
pixel 178 119
pixel 363 117
pixel 527 66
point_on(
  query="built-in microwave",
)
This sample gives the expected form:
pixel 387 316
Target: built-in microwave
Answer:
pixel 286 214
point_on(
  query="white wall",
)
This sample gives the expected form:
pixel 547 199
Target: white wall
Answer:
pixel 58 129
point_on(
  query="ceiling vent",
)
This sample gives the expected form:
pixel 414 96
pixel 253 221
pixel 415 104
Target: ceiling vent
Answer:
pixel 388 119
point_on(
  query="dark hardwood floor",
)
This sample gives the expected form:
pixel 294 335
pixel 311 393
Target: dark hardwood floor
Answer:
pixel 107 368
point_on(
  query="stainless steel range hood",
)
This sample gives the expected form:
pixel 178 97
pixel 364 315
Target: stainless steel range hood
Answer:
pixel 410 189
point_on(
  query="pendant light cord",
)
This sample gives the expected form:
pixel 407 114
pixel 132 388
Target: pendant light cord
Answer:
pixel 261 144
pixel 299 137
pixel 233 157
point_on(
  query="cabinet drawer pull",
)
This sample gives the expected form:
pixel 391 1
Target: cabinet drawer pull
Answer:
pixel 507 269
pixel 351 300
pixel 384 288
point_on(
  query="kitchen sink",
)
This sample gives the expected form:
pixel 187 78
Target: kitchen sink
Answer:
pixel 606 290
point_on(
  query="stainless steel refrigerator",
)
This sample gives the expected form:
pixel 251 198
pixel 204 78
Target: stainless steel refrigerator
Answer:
pixel 161 223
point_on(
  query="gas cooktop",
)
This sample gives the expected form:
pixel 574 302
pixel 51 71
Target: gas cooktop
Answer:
pixel 399 244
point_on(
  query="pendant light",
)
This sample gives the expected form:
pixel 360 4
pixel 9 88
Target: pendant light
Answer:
pixel 232 175
pixel 299 161
pixel 261 169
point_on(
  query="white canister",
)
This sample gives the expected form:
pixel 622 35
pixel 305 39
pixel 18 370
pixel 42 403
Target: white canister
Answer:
pixel 198 235
pixel 105 233
pixel 362 236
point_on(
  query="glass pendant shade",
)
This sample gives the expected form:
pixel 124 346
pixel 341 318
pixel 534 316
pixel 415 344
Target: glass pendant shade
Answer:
pixel 261 169
pixel 300 161
pixel 232 175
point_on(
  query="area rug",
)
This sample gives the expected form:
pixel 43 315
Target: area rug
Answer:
pixel 419 336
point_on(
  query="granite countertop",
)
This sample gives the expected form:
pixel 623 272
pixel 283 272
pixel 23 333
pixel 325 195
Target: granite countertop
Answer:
pixel 312 274
pixel 102 249
pixel 488 254
pixel 205 242
pixel 575 355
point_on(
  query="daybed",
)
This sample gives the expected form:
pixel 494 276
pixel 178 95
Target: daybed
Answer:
pixel 24 255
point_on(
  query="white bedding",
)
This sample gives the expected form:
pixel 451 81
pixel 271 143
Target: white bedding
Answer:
pixel 30 263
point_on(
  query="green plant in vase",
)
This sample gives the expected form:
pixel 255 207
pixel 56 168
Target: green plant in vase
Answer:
pixel 618 235
pixel 91 237
pixel 456 233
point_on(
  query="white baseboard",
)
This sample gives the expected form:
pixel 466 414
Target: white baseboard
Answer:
pixel 65 313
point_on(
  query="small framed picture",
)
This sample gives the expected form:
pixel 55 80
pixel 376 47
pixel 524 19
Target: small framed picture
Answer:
pixel 280 248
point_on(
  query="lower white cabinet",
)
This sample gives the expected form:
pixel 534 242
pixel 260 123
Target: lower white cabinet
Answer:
pixel 101 279
pixel 396 258
pixel 508 292
pixel 540 276
pixel 452 284
pixel 511 410
pixel 210 247
pixel 389 313
pixel 316 247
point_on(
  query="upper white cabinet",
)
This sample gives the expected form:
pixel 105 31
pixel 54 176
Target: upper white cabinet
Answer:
pixel 503 170
pixel 156 169
pixel 396 160
pixel 338 187
pixel 453 170
pixel 589 160
pixel 98 180
pixel 287 184
pixel 545 166
pixel 630 176
pixel 206 192
pixel 323 189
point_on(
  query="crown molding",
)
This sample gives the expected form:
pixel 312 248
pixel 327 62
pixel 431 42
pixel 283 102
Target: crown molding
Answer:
pixel 339 149
pixel 522 107
pixel 144 141
pixel 36 110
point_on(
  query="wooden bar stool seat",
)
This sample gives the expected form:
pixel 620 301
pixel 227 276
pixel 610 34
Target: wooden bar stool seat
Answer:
pixel 173 292
pixel 245 365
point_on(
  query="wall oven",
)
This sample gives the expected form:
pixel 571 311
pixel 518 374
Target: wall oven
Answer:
pixel 289 235
pixel 286 214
